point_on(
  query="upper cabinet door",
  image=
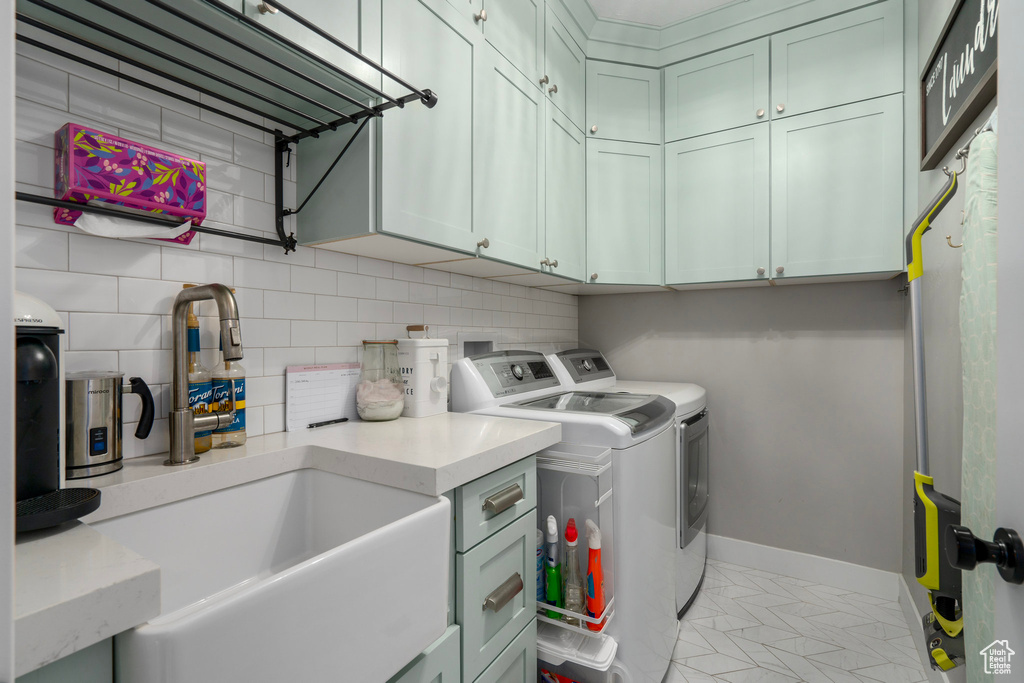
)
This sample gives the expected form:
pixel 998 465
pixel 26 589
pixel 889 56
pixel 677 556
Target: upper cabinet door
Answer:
pixel 426 155
pixel 716 207
pixel 837 190
pixel 847 58
pixel 340 18
pixel 508 150
pixel 565 70
pixel 722 90
pixel 565 196
pixel 624 213
pixel 623 102
pixel 516 30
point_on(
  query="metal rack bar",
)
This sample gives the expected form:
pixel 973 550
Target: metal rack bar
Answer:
pixel 154 220
pixel 145 67
pixel 185 16
pixel 172 59
pixel 328 37
pixel 139 81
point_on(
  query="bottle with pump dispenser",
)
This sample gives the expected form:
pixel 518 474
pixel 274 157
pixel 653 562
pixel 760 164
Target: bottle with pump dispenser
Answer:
pixel 553 569
pixel 200 383
pixel 224 374
pixel 574 593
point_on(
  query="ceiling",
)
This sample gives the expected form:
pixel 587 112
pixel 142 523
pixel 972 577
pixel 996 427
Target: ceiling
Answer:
pixel 654 12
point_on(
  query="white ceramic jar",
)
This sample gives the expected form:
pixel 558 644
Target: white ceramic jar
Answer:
pixel 424 364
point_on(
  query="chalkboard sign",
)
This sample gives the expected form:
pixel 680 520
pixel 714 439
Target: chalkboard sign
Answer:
pixel 960 79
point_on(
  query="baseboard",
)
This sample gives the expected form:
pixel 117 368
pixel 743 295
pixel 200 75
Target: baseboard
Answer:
pixel 913 617
pixel 828 572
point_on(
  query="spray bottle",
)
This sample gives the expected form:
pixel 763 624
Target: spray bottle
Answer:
pixel 595 576
pixel 553 568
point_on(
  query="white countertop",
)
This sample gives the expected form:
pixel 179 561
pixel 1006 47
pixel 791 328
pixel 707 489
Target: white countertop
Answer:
pixel 76 587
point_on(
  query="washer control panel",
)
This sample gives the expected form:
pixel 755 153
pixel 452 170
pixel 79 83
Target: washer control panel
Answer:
pixel 585 364
pixel 515 372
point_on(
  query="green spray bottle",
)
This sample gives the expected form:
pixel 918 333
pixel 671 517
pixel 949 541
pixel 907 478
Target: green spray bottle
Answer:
pixel 553 569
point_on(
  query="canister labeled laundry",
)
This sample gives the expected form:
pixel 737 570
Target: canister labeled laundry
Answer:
pixel 424 365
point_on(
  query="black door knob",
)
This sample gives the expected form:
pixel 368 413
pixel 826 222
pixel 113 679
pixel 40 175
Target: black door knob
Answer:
pixel 1006 551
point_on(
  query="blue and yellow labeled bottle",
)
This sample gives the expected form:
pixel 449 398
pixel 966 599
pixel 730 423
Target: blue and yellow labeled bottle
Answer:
pixel 225 373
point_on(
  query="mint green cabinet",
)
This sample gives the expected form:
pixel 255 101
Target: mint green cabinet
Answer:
pixel 508 148
pixel 565 70
pixel 565 197
pixel 624 213
pixel 846 58
pixel 94 664
pixel 722 90
pixel 837 190
pixel 426 155
pixel 439 663
pixel 717 207
pixel 515 29
pixel 623 102
pixel 517 663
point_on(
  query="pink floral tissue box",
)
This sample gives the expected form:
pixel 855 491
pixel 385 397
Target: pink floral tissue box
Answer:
pixel 91 165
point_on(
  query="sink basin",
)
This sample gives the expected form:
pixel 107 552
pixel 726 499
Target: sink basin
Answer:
pixel 303 576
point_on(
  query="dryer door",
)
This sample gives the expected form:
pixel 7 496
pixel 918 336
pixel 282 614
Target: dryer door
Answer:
pixel 693 477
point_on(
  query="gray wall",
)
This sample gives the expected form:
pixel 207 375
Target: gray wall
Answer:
pixel 941 317
pixel 805 384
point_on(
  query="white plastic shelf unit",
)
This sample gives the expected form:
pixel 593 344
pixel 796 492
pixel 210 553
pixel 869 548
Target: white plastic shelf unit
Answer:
pixel 576 481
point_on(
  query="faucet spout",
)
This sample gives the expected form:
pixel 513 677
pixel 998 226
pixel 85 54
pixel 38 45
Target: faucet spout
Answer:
pixel 183 424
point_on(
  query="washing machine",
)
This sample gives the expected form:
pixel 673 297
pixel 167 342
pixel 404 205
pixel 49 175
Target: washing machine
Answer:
pixel 589 370
pixel 639 431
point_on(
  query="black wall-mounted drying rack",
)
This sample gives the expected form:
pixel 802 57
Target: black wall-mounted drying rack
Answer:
pixel 226 58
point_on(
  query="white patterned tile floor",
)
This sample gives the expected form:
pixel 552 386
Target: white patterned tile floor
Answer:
pixel 750 626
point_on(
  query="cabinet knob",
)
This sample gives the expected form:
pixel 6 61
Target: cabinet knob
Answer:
pixel 266 8
pixel 760 271
pixel 554 264
pixel 546 262
pixel 484 243
pixel 553 89
pixel 780 108
pixel 593 276
pixel 480 16
pixel 965 551
pixel 760 113
pixel 544 81
pixel 593 129
pixel 780 270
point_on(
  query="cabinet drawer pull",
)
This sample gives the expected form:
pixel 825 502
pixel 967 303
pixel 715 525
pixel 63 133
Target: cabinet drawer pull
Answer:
pixel 504 593
pixel 503 500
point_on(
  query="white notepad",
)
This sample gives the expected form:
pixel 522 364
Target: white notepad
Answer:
pixel 318 393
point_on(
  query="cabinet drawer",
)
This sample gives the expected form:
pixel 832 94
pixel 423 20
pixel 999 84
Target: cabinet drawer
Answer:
pixel 475 518
pixel 518 663
pixel 482 572
pixel 847 58
pixel 439 663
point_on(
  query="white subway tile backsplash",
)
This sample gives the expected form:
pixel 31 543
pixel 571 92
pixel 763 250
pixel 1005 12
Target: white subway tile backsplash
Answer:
pixel 69 291
pixel 308 306
pixel 373 311
pixel 198 267
pixel 392 290
pixel 289 305
pixel 310 333
pixel 262 275
pixel 109 331
pixel 335 260
pixel 117 108
pixel 276 360
pixel 38 248
pixel 336 308
pixel 375 267
pixel 166 101
pixel 314 280
pixel 186 131
pixel 358 286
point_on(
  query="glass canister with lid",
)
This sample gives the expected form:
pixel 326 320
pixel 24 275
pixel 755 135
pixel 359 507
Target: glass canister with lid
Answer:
pixel 380 394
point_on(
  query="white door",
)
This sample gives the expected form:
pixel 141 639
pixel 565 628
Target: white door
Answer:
pixel 1009 598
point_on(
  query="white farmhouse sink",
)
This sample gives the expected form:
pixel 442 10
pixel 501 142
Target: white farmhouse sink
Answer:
pixel 305 576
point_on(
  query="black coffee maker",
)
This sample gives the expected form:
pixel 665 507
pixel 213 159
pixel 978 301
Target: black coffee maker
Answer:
pixel 39 381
